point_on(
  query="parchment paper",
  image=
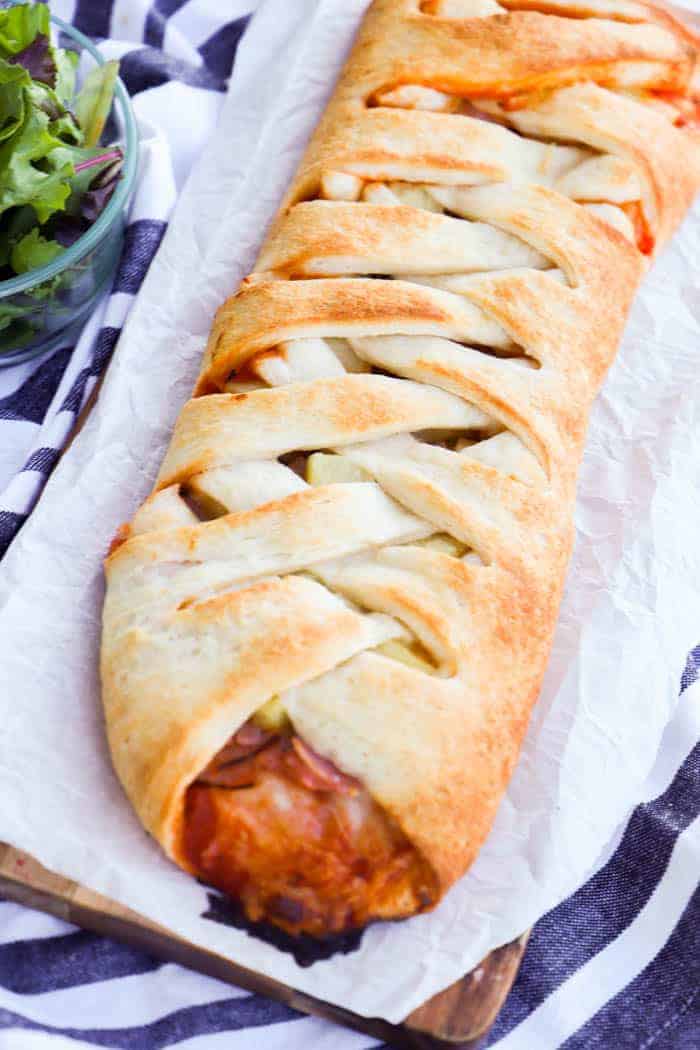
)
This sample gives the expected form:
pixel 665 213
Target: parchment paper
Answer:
pixel 630 614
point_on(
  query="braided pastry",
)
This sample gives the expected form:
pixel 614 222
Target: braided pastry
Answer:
pixel 325 629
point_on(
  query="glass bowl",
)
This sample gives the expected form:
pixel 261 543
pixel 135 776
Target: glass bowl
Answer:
pixel 44 308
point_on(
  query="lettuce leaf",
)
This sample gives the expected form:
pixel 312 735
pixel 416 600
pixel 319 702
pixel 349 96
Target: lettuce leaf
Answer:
pixel 55 178
pixel 97 198
pixel 10 312
pixel 90 165
pixel 13 80
pixel 66 66
pixel 20 25
pixel 66 129
pixel 22 181
pixel 94 101
pixel 33 251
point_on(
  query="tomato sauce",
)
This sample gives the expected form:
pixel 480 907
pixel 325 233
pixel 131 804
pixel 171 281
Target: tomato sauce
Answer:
pixel 298 843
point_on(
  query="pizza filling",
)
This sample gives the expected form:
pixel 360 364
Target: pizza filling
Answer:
pixel 298 843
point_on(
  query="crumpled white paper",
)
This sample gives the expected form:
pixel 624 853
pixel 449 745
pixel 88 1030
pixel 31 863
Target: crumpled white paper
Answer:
pixel 630 613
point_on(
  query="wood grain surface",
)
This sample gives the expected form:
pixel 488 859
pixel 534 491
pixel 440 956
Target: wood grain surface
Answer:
pixel 458 1017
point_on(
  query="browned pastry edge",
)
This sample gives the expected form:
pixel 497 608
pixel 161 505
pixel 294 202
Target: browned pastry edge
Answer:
pixel 182 672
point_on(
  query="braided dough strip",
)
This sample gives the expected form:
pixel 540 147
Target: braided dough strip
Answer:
pixel 507 169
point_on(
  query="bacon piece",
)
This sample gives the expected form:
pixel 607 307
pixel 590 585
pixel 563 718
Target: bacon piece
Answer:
pixel 239 773
pixel 236 764
pixel 319 774
pixel 251 736
pixel 253 751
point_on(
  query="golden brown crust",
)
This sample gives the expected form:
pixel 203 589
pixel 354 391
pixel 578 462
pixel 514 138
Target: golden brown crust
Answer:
pixel 506 170
pixel 517 52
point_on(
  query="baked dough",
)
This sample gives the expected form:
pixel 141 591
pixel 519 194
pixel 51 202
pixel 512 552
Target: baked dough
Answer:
pixel 366 507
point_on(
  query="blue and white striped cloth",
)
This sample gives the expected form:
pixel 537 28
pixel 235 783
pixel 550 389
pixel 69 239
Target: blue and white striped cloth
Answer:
pixel 614 967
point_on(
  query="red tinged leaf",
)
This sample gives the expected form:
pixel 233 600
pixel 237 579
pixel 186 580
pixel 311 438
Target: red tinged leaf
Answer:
pixel 37 59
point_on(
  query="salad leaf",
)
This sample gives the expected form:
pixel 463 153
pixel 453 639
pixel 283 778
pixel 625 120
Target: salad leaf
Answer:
pixel 13 80
pixel 20 320
pixel 38 60
pixel 67 229
pixel 22 181
pixel 66 129
pixel 20 25
pixel 89 165
pixel 94 101
pixel 9 312
pixel 33 251
pixel 55 177
pixel 16 329
pixel 97 198
pixel 66 66
pixel 44 98
pixel 93 185
pixel 17 222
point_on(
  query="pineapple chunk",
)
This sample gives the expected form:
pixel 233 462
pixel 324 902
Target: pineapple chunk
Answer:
pixel 444 543
pixel 323 468
pixel 406 654
pixel 272 716
pixel 415 196
pixel 340 186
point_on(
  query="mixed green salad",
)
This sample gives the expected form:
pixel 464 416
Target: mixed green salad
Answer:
pixel 55 176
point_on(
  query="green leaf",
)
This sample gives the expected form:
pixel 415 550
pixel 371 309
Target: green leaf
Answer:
pixel 66 129
pixel 94 101
pixel 14 224
pixel 66 65
pixel 47 290
pixel 88 166
pixel 33 251
pixel 62 124
pixel 42 97
pixel 18 221
pixel 21 24
pixel 12 100
pixel 9 312
pixel 22 180
pixel 50 162
pixel 19 324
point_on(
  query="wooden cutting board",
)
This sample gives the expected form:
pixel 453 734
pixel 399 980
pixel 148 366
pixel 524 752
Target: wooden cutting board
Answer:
pixel 458 1017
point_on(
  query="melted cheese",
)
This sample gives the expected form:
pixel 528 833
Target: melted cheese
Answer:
pixel 310 861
